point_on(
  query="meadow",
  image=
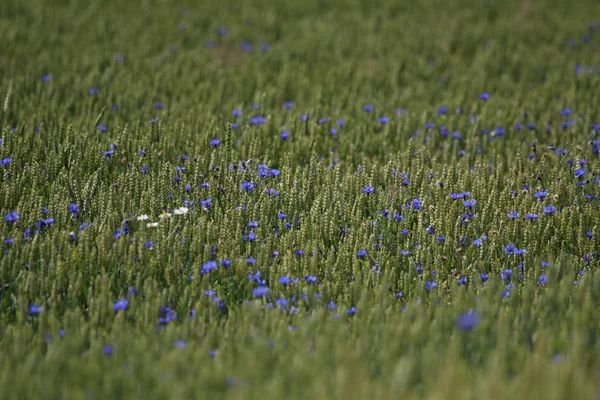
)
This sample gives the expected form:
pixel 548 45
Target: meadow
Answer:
pixel 305 199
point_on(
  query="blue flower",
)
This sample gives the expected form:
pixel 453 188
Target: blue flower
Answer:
pixel 467 321
pixel 121 305
pixel 531 216
pixel 208 266
pixel 108 350
pixel 288 104
pixel 540 194
pixel 384 120
pixel 361 253
pixel 368 189
pixel 284 135
pixel 580 172
pixel 351 311
pixel 368 107
pixel 215 142
pixel 549 210
pixel 12 216
pixel 484 96
pixel 542 280
pixel 260 291
pixel 513 214
pixel 470 203
pixel 247 186
pixel 442 110
pixel 180 344
pixel 462 280
pixel 35 310
pixel 331 305
pixel 430 285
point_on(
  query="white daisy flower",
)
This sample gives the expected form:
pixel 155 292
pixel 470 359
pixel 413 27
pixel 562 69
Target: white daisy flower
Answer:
pixel 181 211
pixel 152 225
pixel 143 217
pixel 165 215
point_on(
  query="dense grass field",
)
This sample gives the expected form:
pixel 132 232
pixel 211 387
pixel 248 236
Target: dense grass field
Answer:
pixel 317 199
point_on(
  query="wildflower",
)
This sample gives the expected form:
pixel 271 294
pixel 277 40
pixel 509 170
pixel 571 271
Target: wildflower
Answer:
pixel 484 96
pixel 208 266
pixel 531 216
pixel 236 113
pixel 430 285
pixel 168 315
pixel 580 172
pixel 143 217
pixel 260 291
pixel 121 305
pixel 331 305
pixel 180 344
pixel 250 260
pixel 513 214
pixel 467 321
pixel 215 142
pixel 361 253
pixel 542 280
pixel 470 203
pixel 247 186
pixel 367 189
pixel 351 311
pixel 152 225
pixel 310 279
pixel 549 210
pixel 368 107
pixel 540 195
pixel 384 120
pixel 34 310
pixel 181 211
pixel 462 280
pixel 164 215
pixel 149 245
pixel 12 216
pixel 108 350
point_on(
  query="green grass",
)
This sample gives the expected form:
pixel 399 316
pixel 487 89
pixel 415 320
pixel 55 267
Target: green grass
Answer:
pixel 80 79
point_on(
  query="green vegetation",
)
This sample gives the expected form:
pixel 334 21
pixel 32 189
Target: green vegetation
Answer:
pixel 302 199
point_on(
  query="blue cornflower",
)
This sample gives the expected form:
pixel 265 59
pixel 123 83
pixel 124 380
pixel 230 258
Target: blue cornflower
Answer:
pixel 247 186
pixel 331 305
pixel 12 216
pixel 215 142
pixel 513 214
pixel 310 279
pixel 416 204
pixel 442 110
pixel 101 128
pixel 208 266
pixel 250 260
pixel 531 216
pixel 260 291
pixel 543 279
pixel 477 242
pixel 351 311
pixel 368 189
pixel 368 107
pixel 506 274
pixel 74 209
pixel 284 135
pixel 430 285
pixel 180 344
pixel 540 194
pixel 35 310
pixel 236 113
pixel 566 111
pixel 484 96
pixel 281 302
pixel 398 217
pixel 549 210
pixel 288 104
pixel 462 280
pixel 580 172
pixel 361 253
pixel 285 280
pixel 470 203
pixel 467 321
pixel 149 245
pixel 383 120
pixel 121 305
pixel 108 350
